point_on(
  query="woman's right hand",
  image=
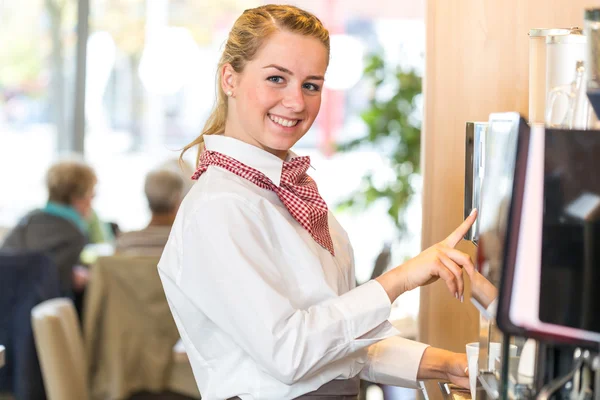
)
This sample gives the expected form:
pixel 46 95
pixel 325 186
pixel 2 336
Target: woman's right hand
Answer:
pixel 441 260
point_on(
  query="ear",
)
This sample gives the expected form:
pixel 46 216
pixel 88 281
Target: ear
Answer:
pixel 228 78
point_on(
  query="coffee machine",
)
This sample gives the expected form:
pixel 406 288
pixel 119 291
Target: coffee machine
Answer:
pixel 539 230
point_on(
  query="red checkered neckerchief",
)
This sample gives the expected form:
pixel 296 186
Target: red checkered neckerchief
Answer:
pixel 296 190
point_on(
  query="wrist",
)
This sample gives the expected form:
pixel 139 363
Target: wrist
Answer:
pixel 400 279
pixel 434 364
pixel 392 282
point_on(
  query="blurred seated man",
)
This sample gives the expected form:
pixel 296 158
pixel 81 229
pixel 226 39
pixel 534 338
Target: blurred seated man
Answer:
pixel 60 228
pixel 164 191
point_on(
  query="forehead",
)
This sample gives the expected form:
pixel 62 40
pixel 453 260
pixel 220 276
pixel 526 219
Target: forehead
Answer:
pixel 303 55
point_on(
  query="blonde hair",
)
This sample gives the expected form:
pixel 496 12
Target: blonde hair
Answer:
pixel 69 179
pixel 248 34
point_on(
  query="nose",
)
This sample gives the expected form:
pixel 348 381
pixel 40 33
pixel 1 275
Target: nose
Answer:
pixel 294 99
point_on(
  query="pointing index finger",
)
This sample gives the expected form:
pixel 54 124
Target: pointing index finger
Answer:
pixel 455 237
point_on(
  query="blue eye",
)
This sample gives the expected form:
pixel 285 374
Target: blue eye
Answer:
pixel 275 79
pixel 312 87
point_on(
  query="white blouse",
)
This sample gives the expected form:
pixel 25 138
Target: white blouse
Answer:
pixel 263 310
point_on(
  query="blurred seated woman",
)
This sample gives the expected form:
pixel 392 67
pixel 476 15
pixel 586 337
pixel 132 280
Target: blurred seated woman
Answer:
pixel 60 228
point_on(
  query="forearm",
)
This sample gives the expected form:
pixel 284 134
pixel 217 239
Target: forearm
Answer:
pixel 390 283
pixel 434 364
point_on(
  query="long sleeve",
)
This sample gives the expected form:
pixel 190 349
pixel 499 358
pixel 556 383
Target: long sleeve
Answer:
pixel 394 361
pixel 235 271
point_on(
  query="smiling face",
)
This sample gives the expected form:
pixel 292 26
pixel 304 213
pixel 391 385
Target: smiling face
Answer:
pixel 277 96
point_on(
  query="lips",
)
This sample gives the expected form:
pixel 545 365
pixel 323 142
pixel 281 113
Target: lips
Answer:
pixel 284 122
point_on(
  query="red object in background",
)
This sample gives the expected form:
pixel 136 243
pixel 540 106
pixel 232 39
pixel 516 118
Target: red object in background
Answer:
pixel 331 121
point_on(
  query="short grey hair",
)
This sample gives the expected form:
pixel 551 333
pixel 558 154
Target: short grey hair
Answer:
pixel 164 190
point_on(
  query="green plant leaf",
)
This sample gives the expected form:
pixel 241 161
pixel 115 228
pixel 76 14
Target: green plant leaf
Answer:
pixel 394 125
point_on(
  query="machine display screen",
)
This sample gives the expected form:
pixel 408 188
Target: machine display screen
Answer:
pixel 570 260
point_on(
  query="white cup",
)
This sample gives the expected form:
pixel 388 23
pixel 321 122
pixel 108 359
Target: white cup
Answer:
pixel 473 358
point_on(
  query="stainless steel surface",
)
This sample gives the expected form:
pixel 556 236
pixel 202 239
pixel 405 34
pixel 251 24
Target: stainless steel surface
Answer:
pixel 558 383
pixel 488 333
pixel 592 32
pixel 475 135
pixel 490 385
pixel 453 392
pixel 469 156
pixel 446 393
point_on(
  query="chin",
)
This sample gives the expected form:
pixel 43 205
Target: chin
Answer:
pixel 284 142
pixel 283 145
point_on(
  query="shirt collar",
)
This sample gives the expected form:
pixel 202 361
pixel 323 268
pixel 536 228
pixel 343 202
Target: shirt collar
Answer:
pixel 261 160
pixel 66 212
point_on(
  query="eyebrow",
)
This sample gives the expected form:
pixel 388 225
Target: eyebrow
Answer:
pixel 287 71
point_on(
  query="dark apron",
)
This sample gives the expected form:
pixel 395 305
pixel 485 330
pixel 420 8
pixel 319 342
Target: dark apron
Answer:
pixel 335 390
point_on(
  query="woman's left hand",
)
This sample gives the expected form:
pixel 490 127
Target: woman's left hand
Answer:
pixel 444 365
pixel 457 371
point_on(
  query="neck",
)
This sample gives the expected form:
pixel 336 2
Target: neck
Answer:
pixel 162 219
pixel 235 131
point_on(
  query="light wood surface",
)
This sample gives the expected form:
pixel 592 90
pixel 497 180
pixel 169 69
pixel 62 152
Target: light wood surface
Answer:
pixel 476 63
pixel 2 355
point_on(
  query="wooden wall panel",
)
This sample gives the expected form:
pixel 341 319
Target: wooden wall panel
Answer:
pixel 476 63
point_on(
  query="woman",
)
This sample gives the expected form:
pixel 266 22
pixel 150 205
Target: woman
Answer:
pixel 258 273
pixel 59 229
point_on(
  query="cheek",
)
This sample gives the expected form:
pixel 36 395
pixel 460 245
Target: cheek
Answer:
pixel 252 95
pixel 256 97
pixel 315 105
pixel 265 98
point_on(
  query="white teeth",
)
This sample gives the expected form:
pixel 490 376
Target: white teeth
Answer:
pixel 283 122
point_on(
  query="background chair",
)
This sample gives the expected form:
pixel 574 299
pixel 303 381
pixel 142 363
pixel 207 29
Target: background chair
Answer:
pixel 60 349
pixel 27 280
pixel 129 333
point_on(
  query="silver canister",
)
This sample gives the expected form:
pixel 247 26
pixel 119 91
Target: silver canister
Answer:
pixel 537 70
